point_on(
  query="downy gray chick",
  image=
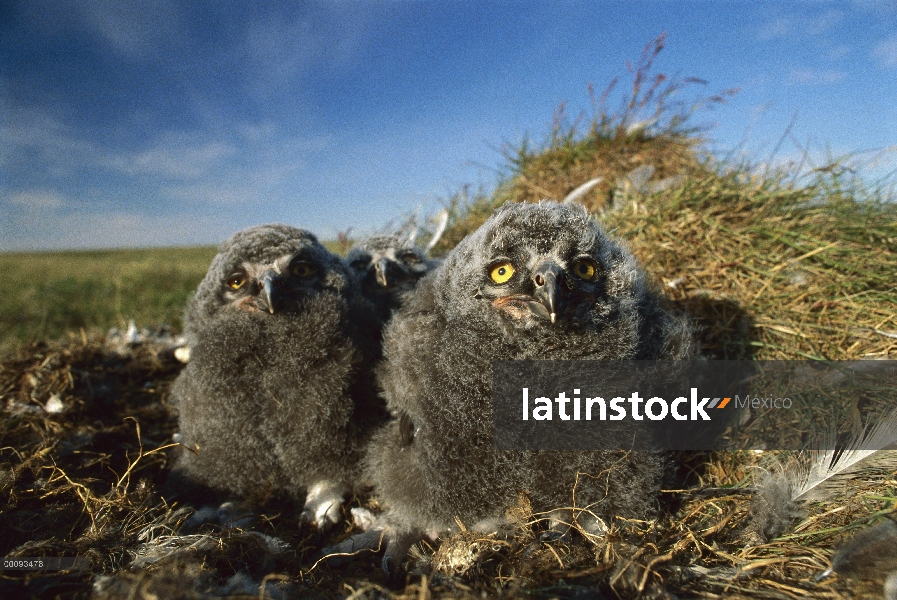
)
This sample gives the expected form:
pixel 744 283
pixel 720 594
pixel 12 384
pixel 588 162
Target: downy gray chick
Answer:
pixel 536 281
pixel 388 267
pixel 278 394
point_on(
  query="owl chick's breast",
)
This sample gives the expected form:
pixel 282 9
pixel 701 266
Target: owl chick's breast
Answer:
pixel 539 282
pixel 281 366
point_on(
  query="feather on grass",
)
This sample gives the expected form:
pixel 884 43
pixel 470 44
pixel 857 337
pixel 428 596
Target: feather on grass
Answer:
pixel 814 475
pixel 828 470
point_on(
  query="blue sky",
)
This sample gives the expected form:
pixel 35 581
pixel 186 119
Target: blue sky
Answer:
pixel 157 122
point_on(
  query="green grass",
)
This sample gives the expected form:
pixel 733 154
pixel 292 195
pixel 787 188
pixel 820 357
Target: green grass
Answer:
pixel 48 295
pixel 52 294
pixel 768 264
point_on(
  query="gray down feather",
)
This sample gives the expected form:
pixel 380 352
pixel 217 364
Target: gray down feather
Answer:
pixel 278 394
pixel 436 460
pixel 388 267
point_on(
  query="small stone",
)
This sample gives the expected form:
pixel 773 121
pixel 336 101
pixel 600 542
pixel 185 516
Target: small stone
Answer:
pixel 54 405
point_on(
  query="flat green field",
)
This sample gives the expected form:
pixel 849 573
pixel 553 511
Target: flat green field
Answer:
pixel 48 295
pixel 51 294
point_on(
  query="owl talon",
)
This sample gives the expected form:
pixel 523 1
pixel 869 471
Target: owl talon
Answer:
pixel 322 524
pixel 397 546
pixel 346 550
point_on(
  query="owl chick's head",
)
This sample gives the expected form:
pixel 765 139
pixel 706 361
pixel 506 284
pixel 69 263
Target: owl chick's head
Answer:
pixel 538 265
pixel 267 269
pixel 388 262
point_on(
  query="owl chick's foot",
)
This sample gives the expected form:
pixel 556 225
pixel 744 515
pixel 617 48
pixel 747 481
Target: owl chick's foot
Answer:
pixel 340 554
pixel 558 527
pixel 370 540
pixel 363 518
pixel 322 505
pixel 229 515
pixel 397 546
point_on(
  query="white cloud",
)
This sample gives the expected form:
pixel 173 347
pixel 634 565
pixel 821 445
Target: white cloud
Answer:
pixel 272 162
pixel 63 187
pixel 279 50
pixel 186 162
pixel 886 51
pixel 137 29
pixel 256 132
pixel 799 25
pixel 37 139
pixel 239 164
pixel 216 193
pixel 176 156
pixel 36 199
pixel 815 76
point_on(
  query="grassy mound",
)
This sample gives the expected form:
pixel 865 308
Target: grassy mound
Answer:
pixel 769 267
pixel 772 272
pixel 769 270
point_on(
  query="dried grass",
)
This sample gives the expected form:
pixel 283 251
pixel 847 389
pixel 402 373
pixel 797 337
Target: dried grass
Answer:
pixel 87 481
pixel 771 271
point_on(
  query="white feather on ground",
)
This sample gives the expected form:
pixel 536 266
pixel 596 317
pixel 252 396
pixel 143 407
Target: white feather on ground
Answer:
pixel 818 474
pixel 829 469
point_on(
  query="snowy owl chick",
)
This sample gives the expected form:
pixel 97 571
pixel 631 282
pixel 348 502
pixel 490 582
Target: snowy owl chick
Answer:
pixel 278 394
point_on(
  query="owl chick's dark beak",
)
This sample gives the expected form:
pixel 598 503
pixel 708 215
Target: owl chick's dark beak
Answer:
pixel 269 289
pixel 380 271
pixel 547 287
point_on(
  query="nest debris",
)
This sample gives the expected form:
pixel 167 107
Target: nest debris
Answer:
pixel 86 479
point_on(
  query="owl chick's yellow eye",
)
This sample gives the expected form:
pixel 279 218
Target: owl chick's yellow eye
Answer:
pixel 301 269
pixel 235 282
pixel 584 268
pixel 501 272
